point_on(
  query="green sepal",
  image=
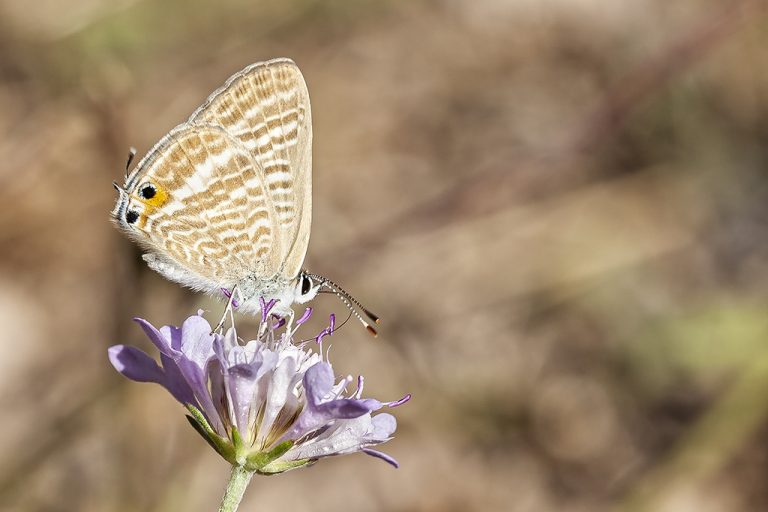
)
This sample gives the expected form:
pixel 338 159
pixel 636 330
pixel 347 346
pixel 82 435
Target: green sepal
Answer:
pixel 276 467
pixel 256 461
pixel 221 444
pixel 200 418
pixel 239 447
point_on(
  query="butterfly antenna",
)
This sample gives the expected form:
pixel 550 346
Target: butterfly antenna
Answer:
pixel 350 302
pixel 131 156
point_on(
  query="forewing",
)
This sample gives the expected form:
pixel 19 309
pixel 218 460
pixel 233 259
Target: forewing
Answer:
pixel 266 109
pixel 209 211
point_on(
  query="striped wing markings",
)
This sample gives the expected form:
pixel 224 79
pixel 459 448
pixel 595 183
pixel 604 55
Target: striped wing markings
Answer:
pixel 278 170
pixel 242 206
pixel 252 107
pixel 238 213
pixel 208 158
pixel 229 114
pixel 160 164
pixel 296 126
pixel 200 227
pixel 180 230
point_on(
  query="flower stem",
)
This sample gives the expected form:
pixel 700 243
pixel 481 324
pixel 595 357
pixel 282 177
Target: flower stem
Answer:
pixel 238 482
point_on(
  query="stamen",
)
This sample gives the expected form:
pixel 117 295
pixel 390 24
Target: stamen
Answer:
pixel 266 307
pixel 343 387
pixel 280 322
pixel 328 331
pixel 304 317
pixel 382 456
pixel 359 390
pixel 319 337
pixel 398 402
pixel 319 341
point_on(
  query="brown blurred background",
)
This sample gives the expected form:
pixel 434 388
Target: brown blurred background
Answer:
pixel 558 208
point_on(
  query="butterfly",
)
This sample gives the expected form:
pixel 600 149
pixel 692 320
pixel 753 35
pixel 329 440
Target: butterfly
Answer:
pixel 224 200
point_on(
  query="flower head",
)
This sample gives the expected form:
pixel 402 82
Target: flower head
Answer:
pixel 267 405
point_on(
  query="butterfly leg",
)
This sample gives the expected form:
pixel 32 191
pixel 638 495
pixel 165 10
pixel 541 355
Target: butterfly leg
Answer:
pixel 229 309
pixel 289 320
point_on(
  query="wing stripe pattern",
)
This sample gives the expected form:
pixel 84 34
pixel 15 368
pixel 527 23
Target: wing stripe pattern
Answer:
pixel 266 108
pixel 206 226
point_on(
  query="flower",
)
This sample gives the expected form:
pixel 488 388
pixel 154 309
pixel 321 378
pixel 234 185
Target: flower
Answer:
pixel 267 405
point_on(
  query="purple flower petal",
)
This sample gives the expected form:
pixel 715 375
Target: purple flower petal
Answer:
pixel 340 437
pixel 243 382
pixel 322 407
pixel 197 380
pixel 162 343
pixel 384 425
pixel 135 364
pixel 218 389
pixel 187 351
pixel 279 388
pixel 220 351
pixel 138 366
pixel 172 333
pixel 175 381
pixel 318 382
pixel 345 408
pixel 197 340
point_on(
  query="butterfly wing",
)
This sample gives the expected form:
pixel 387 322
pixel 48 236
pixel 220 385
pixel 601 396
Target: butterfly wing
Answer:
pixel 231 188
pixel 199 203
pixel 266 109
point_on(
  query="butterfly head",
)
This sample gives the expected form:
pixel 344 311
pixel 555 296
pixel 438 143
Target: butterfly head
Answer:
pixel 306 287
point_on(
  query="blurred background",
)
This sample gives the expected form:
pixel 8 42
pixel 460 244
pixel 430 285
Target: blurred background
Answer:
pixel 559 209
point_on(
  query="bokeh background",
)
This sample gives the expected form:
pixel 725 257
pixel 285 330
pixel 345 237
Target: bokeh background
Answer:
pixel 559 208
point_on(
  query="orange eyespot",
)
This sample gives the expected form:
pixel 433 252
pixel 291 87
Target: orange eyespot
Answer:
pixel 152 195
